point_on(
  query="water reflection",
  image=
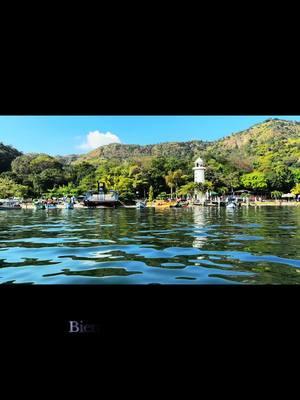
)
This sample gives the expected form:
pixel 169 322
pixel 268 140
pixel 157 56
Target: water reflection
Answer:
pixel 173 246
pixel 200 236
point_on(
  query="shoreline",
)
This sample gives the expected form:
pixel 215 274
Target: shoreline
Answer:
pixel 257 204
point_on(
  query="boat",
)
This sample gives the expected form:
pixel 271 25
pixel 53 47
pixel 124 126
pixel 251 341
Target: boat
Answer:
pixel 39 206
pixel 104 198
pixel 231 205
pixel 140 204
pixel 69 206
pixel 162 204
pixel 9 205
pixel 51 206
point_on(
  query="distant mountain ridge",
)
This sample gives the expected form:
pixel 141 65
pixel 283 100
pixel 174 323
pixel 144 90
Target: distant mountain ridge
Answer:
pixel 282 137
pixel 271 141
pixel 265 132
pixel 122 151
pixel 277 135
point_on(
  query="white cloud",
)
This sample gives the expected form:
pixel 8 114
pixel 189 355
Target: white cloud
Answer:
pixel 96 139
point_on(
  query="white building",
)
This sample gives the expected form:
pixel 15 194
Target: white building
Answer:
pixel 199 177
pixel 199 171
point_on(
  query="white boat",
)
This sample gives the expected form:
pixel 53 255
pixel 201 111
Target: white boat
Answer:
pixel 110 199
pixel 9 205
pixel 140 204
pixel 231 205
pixel 51 207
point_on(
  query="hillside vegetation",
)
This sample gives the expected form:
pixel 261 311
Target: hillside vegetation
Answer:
pixel 268 142
pixel 133 151
pixel 7 155
pixel 264 159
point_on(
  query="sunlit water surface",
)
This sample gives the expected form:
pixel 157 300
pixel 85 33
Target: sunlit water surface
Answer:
pixel 170 246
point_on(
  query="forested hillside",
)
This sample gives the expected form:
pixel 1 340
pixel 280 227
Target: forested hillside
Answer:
pixel 264 159
pixel 7 155
pixel 133 151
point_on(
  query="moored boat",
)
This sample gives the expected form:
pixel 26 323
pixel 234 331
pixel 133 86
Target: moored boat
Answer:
pixel 102 197
pixel 9 205
pixel 69 206
pixel 231 205
pixel 140 204
pixel 39 205
pixel 51 206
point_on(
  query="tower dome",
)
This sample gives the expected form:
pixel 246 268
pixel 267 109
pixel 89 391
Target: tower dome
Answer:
pixel 199 162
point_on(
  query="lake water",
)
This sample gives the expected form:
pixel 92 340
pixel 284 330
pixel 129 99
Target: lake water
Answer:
pixel 170 246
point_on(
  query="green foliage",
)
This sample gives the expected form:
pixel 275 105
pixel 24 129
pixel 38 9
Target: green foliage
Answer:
pixel 8 188
pixel 276 194
pixel 21 165
pixel 65 190
pixel 162 196
pixel 280 178
pixel 296 174
pixel 174 179
pixel 175 151
pixel 44 162
pixel 187 190
pixel 7 155
pixel 256 181
pixel 151 194
pixel 296 189
pixel 127 196
pixel 264 158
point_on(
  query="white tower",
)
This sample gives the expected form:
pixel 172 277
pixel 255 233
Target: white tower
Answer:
pixel 199 176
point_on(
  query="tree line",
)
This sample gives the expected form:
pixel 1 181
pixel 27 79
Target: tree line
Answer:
pixel 41 175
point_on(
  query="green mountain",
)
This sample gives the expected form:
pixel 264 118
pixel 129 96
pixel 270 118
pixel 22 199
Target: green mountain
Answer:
pixel 132 151
pixel 264 159
pixel 262 145
pixel 7 155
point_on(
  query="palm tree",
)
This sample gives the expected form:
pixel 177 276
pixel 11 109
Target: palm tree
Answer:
pixel 173 179
pixel 200 187
pixel 178 174
pixel 170 181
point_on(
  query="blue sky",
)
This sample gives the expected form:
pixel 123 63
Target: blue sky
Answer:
pixel 79 134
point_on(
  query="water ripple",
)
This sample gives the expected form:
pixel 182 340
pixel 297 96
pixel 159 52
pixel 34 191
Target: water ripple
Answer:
pixel 184 246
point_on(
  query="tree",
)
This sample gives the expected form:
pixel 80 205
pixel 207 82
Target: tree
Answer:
pixel 276 194
pixel 296 189
pixel 21 165
pixel 151 194
pixel 43 162
pixel 173 180
pixel 75 173
pixel 200 187
pixel 296 174
pixel 162 196
pixel 170 181
pixel 156 174
pixel 232 180
pixel 47 179
pixel 207 186
pixel 178 178
pixel 187 189
pixel 255 181
pixel 280 177
pixel 7 155
pixel 8 188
